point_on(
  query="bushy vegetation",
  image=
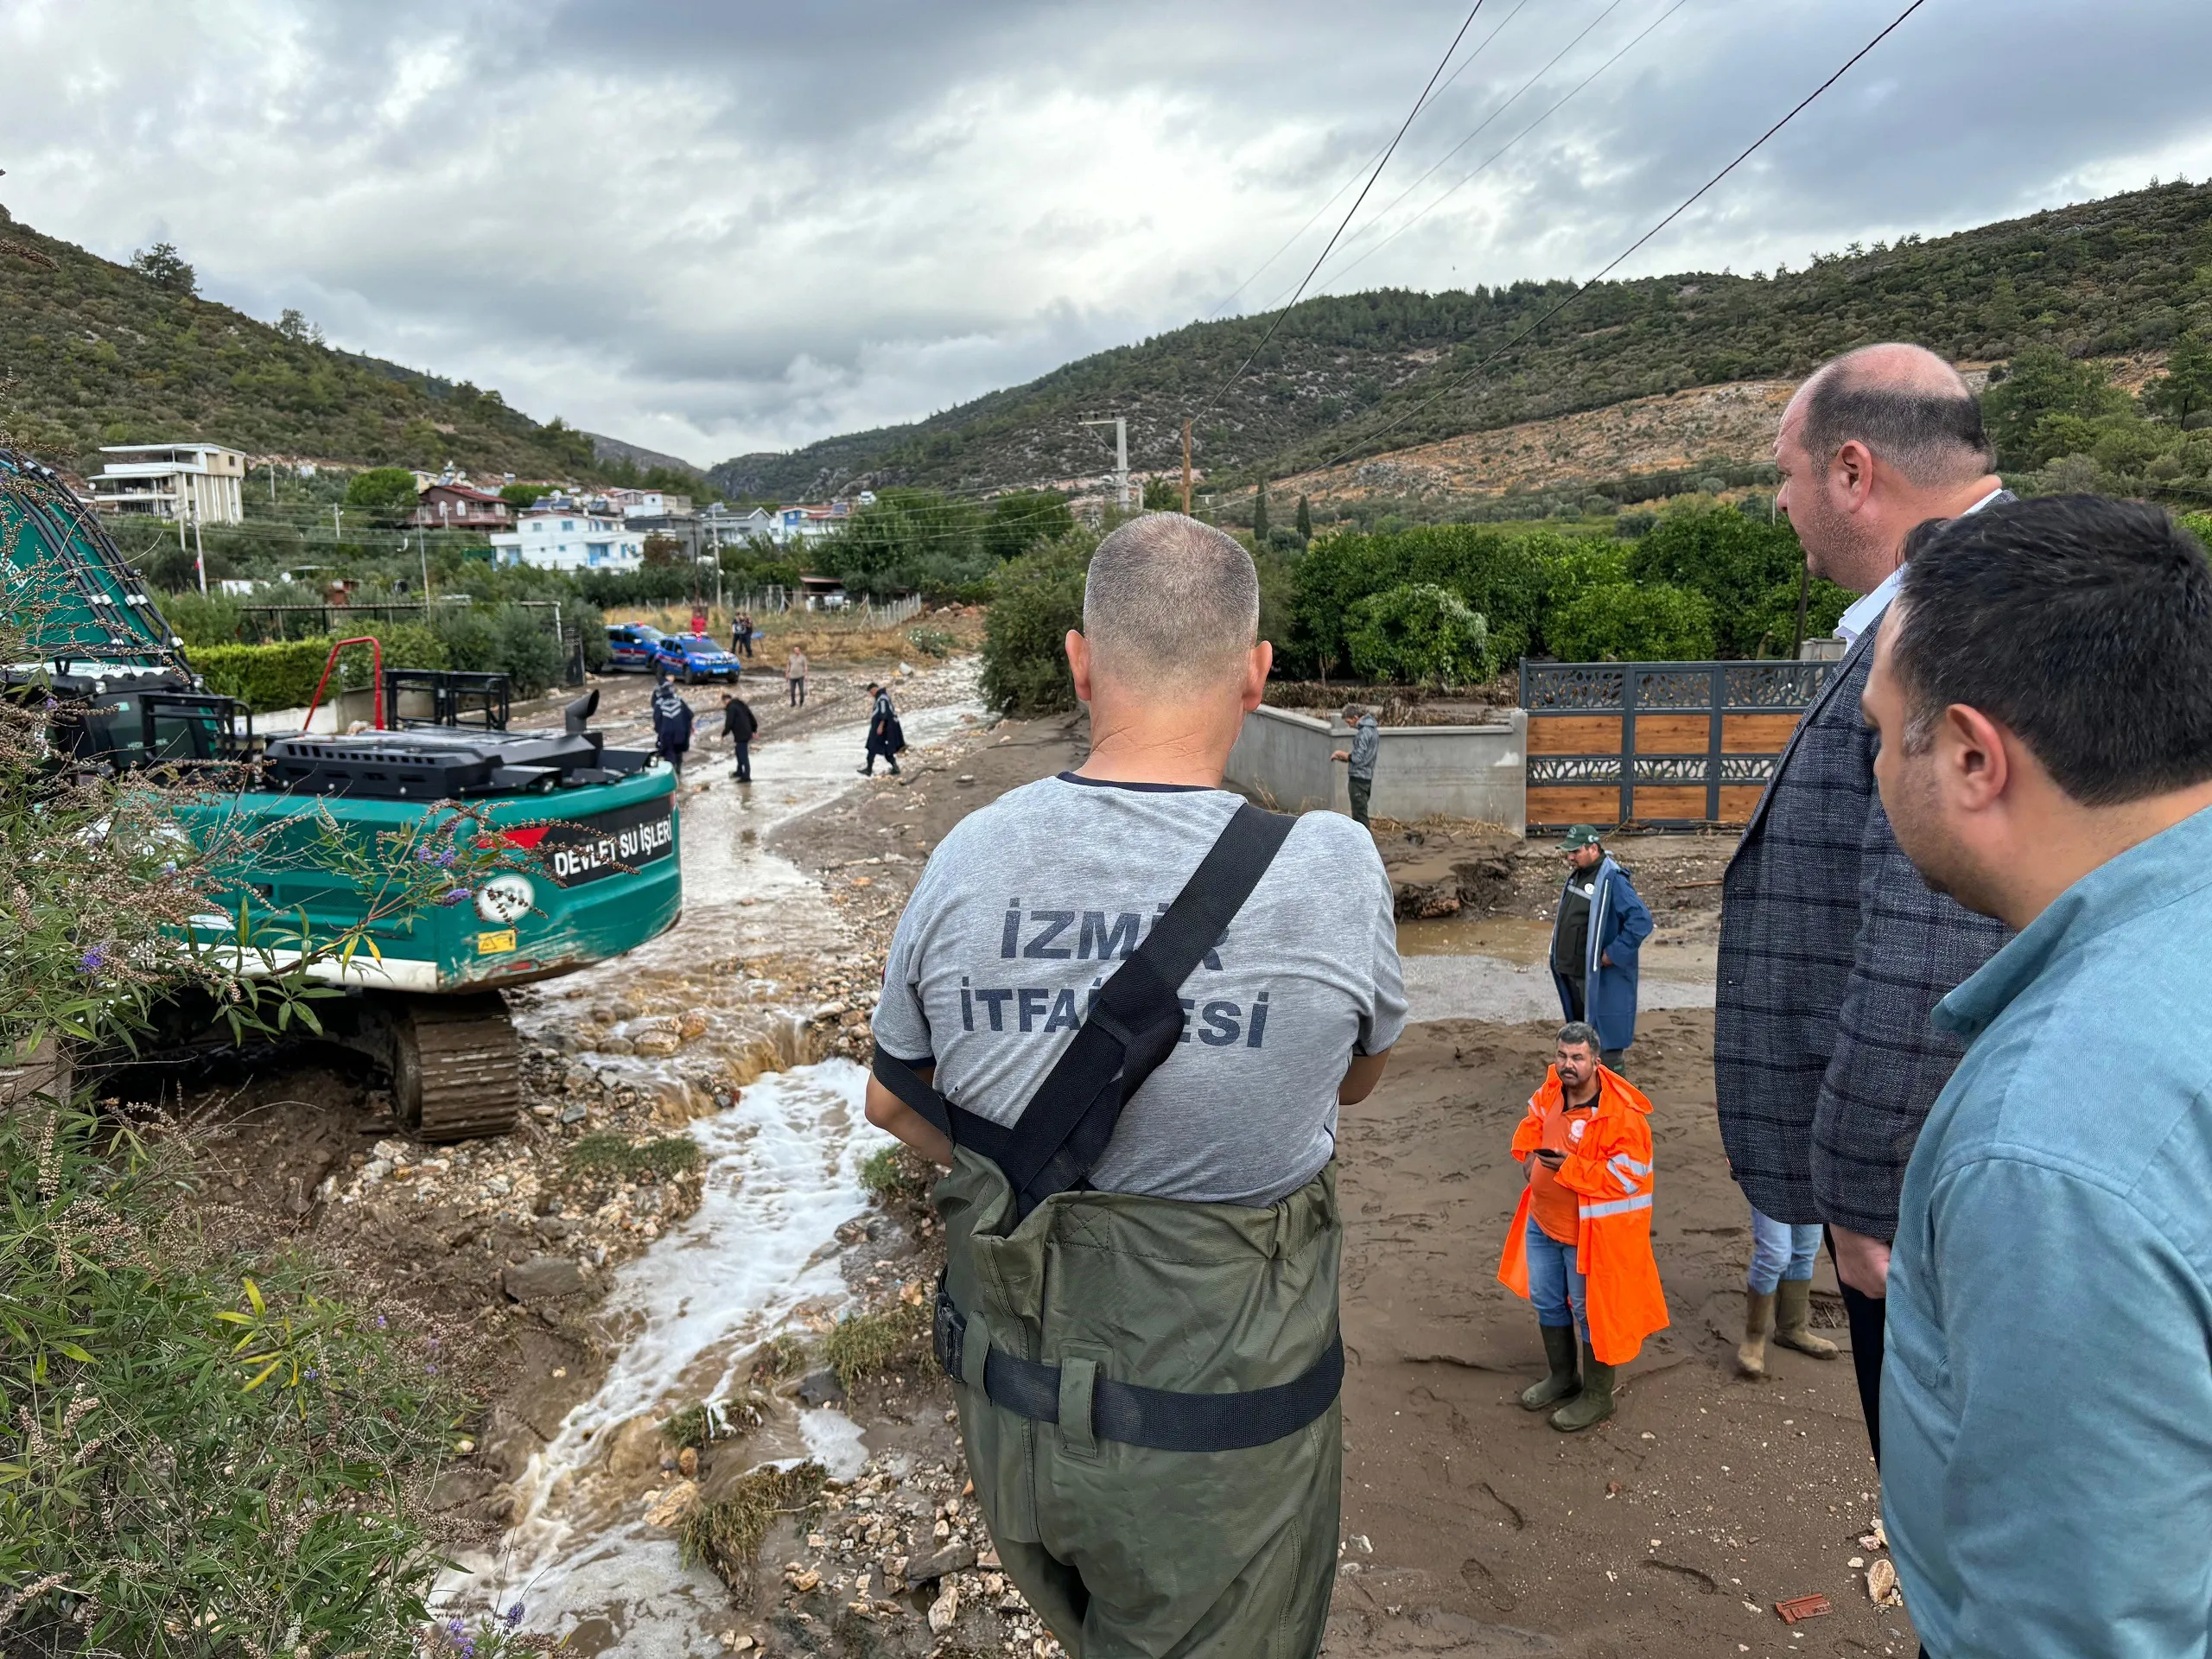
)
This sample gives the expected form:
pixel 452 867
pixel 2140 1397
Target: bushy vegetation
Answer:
pixel 99 352
pixel 2101 278
pixel 1419 634
pixel 944 547
pixel 206 1447
pixel 1035 602
pixel 861 1345
pixel 727 1535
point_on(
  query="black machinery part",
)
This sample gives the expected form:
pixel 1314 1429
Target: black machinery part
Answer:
pixel 456 1067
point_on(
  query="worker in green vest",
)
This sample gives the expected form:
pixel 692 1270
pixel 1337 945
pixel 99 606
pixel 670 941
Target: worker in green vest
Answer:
pixel 1124 1007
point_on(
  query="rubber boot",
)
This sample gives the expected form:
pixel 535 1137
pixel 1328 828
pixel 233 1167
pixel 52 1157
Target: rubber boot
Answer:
pixel 1793 1319
pixel 1562 1383
pixel 1594 1404
pixel 1759 1325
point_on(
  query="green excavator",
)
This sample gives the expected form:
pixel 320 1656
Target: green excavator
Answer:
pixel 597 826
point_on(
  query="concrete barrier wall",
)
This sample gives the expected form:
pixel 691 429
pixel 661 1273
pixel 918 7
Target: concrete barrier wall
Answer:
pixel 1454 772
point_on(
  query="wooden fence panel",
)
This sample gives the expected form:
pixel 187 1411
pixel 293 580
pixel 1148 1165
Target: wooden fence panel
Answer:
pixel 1658 743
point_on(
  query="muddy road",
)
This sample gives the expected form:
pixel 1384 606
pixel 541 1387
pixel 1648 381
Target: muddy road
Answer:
pixel 1470 1528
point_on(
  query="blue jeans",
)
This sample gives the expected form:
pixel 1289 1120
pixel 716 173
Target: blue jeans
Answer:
pixel 1781 1249
pixel 1552 1278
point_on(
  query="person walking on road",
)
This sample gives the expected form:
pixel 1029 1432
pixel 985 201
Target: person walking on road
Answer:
pixel 886 737
pixel 1833 954
pixel 1140 1305
pixel 1579 1246
pixel 1597 934
pixel 672 721
pixel 745 633
pixel 739 725
pixel 1366 745
pixel 795 677
pixel 2042 692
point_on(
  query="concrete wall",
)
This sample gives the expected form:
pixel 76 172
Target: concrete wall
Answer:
pixel 1454 772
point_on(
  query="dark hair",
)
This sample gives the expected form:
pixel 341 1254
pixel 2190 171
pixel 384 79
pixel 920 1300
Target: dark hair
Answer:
pixel 1577 1033
pixel 1932 437
pixel 2082 624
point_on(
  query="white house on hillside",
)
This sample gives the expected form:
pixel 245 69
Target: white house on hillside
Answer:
pixel 570 538
pixel 173 481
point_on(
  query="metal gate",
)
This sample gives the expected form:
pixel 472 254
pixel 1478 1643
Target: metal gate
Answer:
pixel 1658 743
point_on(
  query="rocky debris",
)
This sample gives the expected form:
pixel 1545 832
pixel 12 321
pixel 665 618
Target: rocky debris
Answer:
pixel 1882 1585
pixel 953 1558
pixel 542 1276
pixel 820 1388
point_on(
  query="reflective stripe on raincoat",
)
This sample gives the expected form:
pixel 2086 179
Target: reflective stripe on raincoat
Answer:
pixel 1610 1172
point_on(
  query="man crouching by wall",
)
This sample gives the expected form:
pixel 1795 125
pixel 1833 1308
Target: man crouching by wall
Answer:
pixel 1138 1100
pixel 1580 1247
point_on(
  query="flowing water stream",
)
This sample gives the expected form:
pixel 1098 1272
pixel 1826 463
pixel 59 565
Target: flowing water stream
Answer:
pixel 760 1253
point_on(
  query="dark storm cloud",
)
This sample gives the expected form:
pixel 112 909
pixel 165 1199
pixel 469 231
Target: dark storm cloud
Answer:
pixel 713 228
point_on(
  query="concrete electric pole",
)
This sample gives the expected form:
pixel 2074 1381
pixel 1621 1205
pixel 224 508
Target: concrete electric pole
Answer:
pixel 1186 470
pixel 1121 425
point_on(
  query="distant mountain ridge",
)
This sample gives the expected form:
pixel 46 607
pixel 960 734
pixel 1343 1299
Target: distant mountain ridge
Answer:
pixel 94 353
pixel 1365 374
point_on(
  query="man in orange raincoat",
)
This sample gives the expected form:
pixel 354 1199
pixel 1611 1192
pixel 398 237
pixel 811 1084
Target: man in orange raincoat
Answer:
pixel 1580 1244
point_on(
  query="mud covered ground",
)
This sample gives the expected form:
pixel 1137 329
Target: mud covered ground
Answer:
pixel 1470 1527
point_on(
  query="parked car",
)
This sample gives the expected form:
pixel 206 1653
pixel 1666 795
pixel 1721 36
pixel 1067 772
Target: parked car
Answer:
pixel 633 644
pixel 693 656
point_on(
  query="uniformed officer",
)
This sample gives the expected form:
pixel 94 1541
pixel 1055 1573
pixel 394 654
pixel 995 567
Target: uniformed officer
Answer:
pixel 1140 1002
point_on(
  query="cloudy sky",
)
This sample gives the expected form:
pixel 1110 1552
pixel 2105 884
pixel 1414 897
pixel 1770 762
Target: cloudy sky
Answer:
pixel 716 226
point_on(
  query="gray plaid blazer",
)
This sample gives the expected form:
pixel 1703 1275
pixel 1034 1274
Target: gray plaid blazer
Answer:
pixel 1833 955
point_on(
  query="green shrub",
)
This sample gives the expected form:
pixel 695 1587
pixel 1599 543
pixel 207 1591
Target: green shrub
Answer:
pixel 894 1172
pixel 1036 601
pixel 387 493
pixel 281 675
pixel 931 642
pixel 202 619
pixel 1622 622
pixel 1420 634
pixel 865 1345
pixel 1738 563
pixel 1500 574
pixel 726 1535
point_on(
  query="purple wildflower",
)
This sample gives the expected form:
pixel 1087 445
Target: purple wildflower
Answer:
pixel 425 852
pixel 454 896
pixel 93 960
pixel 380 1321
pixel 447 857
pixel 454 1627
pixel 514 1616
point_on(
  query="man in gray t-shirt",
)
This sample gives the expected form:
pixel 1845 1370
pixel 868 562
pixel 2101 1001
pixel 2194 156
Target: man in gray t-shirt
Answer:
pixel 1029 903
pixel 1148 1358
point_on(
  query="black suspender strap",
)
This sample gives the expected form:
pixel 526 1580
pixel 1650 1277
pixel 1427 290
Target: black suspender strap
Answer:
pixel 1133 1025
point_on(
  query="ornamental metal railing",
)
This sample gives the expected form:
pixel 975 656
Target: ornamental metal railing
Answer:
pixel 1659 744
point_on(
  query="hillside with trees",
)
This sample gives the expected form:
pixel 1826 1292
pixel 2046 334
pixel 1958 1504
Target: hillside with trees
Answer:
pixel 1364 373
pixel 94 353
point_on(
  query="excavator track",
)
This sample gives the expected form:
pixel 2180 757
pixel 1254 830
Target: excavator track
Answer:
pixel 456 1070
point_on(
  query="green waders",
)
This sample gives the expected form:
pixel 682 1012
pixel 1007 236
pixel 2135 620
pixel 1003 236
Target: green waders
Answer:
pixel 1130 1549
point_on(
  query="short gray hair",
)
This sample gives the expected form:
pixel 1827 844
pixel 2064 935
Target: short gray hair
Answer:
pixel 1169 598
pixel 1578 1033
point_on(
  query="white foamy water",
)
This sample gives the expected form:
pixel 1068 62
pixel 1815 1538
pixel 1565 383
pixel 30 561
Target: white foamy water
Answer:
pixel 781 1174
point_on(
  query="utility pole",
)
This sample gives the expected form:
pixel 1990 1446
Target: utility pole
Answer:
pixel 199 554
pixel 1186 470
pixel 337 518
pixel 1121 425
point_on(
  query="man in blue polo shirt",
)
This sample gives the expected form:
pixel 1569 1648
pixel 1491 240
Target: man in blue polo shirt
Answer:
pixel 2042 692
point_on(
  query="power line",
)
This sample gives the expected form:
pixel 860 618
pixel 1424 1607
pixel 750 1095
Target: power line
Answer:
pixel 1354 179
pixel 1583 287
pixel 1423 212
pixel 1519 92
pixel 1277 322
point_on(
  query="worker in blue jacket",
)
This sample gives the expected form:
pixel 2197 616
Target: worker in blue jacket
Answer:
pixel 1600 926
